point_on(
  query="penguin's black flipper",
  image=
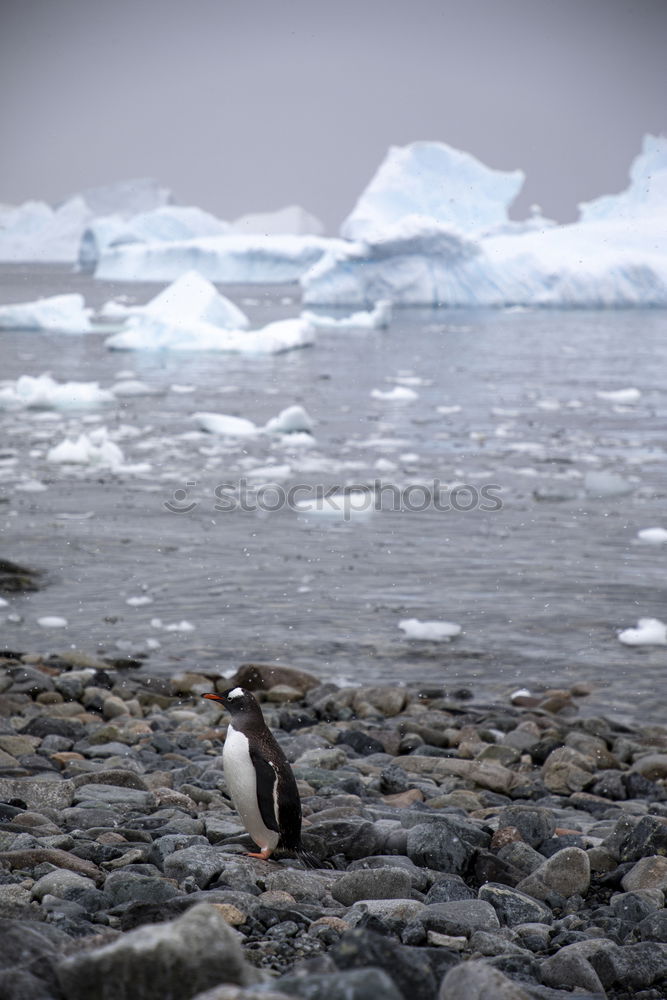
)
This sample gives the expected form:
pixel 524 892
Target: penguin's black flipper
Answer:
pixel 266 779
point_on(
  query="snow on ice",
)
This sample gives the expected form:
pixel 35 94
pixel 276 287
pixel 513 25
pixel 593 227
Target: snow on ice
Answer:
pixel 293 219
pixel 44 392
pixel 151 334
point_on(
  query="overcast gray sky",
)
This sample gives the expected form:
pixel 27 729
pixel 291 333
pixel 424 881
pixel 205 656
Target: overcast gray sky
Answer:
pixel 244 105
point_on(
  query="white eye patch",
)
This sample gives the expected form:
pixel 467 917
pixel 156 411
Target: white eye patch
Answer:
pixel 236 693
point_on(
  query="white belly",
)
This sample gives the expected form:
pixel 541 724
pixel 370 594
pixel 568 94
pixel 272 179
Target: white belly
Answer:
pixel 242 786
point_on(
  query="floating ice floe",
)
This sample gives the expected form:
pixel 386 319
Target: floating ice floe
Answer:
pixel 652 536
pixel 152 335
pixel 606 484
pixel 133 387
pixel 270 473
pixel 230 258
pixel 342 506
pixel 61 313
pixel 378 318
pixel 52 621
pixel 399 394
pixel 88 449
pixel 430 631
pixel 43 392
pixel 291 220
pixel 139 602
pixel 418 256
pixel 623 396
pixel 222 423
pixel 649 632
pixel 188 299
pixel 292 420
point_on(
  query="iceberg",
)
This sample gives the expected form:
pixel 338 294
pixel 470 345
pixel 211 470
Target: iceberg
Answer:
pixel 36 231
pixel 88 449
pixel 44 392
pixel 293 219
pixel 228 258
pixel 62 313
pixel 166 224
pixel 433 181
pixel 646 195
pixel 378 318
pixel 151 334
pixel 615 255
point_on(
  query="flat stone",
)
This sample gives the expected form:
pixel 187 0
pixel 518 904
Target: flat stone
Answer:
pixel 566 770
pixel 32 857
pixel 476 980
pixel 533 823
pixel 201 863
pixel 439 846
pixel 486 774
pixel 648 873
pixel 176 959
pixel 389 909
pixel 115 795
pixel 652 766
pixel 301 885
pixel 17 745
pixel 379 883
pixel 449 889
pixel 460 917
pixel 62 883
pixel 352 984
pixel 566 970
pixel 115 776
pixel 130 887
pixel 514 907
pixel 36 794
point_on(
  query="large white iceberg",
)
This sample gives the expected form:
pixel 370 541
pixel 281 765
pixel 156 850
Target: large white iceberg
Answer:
pixel 35 231
pixel 141 334
pixel 63 313
pixel 646 194
pixel 44 392
pixel 162 225
pixel 293 219
pixel 605 260
pixel 436 182
pixel 228 258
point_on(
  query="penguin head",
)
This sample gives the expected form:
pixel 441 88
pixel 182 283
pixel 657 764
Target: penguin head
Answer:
pixel 239 702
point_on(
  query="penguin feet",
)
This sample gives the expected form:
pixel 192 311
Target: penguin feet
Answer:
pixel 263 855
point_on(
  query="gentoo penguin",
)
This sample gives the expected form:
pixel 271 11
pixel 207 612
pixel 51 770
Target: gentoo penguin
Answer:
pixel 259 778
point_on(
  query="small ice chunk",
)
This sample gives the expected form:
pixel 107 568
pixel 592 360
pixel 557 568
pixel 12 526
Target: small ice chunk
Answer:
pixel 133 387
pixel 399 394
pixel 291 420
pixel 140 601
pixel 182 626
pixel 271 473
pixel 182 389
pixel 652 536
pixel 3 603
pixel 342 506
pixel 52 621
pixel 61 313
pixel 624 396
pixel 223 423
pixel 43 392
pixel 649 632
pixel 378 318
pixel 88 449
pixel 447 410
pixel 606 484
pixel 429 631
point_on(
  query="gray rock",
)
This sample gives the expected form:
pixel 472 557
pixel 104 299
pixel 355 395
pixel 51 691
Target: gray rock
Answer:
pixel 37 794
pixel 354 837
pixel 131 887
pixel 567 873
pixel 114 776
pixel 62 883
pixel 220 828
pixel 647 838
pixel 514 907
pixel 534 823
pixel 568 970
pixel 202 863
pixel 381 883
pixel 476 980
pixel 635 906
pixel 402 910
pixel 409 968
pixel 653 927
pixel 163 846
pixel 301 885
pixel 29 951
pixel 355 984
pixel 419 878
pixel 460 917
pixel 521 856
pixel 448 889
pixel 157 961
pixel 436 845
pixel 115 795
pixel 648 873
pixel 113 749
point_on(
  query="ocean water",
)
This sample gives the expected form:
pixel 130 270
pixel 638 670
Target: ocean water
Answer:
pixel 541 581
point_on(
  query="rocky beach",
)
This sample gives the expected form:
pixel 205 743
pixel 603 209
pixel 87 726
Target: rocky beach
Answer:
pixel 510 850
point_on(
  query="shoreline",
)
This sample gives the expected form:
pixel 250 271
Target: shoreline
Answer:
pixel 515 847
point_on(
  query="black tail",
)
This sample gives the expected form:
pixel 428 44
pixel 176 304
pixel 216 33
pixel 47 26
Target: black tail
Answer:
pixel 310 860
